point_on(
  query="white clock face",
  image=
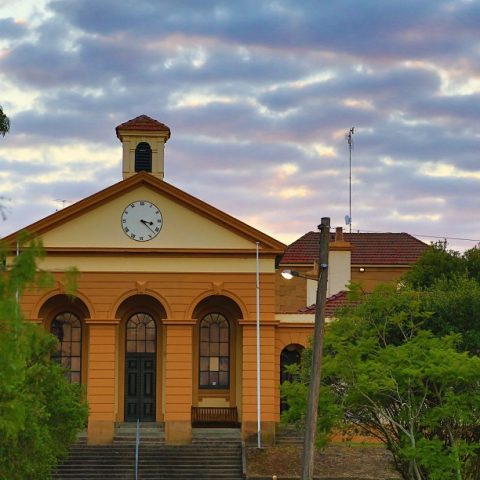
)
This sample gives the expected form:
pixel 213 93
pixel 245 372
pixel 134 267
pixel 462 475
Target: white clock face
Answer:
pixel 142 221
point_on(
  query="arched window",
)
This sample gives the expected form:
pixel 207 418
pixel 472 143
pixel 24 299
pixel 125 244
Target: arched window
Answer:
pixel 143 157
pixel 67 328
pixel 214 365
pixel 141 334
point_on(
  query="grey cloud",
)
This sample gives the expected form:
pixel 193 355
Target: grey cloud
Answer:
pixel 9 29
pixel 399 29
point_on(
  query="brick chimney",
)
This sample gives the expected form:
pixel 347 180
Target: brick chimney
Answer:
pixel 339 234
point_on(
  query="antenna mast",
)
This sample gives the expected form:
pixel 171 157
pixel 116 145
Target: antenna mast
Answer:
pixel 349 137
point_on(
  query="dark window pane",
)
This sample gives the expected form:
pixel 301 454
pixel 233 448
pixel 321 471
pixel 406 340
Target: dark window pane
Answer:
pixel 224 349
pixel 66 347
pixel 76 334
pixel 223 379
pixel 214 378
pixel 224 364
pixel 141 332
pixel 204 349
pixel 204 335
pixel 224 334
pixel 150 333
pixel 204 378
pixel 214 349
pixel 204 364
pixel 214 333
pixel 76 348
pixel 75 364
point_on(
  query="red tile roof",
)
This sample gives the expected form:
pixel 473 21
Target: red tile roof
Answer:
pixel 340 299
pixel 367 249
pixel 144 123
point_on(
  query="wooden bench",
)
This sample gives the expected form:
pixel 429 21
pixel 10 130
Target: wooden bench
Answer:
pixel 215 417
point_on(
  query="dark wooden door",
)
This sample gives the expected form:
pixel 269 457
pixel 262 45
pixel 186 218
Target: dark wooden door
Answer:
pixel 140 387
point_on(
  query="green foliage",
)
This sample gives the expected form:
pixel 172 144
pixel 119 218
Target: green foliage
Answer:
pixel 40 412
pixel 4 123
pixel 455 308
pixel 400 366
pixel 440 263
pixel 436 263
pixel 419 397
pixel 296 393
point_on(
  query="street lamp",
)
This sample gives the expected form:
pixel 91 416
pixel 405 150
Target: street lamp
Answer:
pixel 289 274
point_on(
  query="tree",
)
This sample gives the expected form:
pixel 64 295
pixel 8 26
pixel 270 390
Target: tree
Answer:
pixel 4 123
pixel 41 412
pixel 437 262
pixel 411 388
pixel 440 263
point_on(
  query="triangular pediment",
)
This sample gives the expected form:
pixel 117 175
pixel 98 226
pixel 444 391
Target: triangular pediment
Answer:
pixel 188 224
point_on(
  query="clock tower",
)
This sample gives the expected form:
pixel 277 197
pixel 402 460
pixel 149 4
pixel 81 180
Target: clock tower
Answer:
pixel 143 140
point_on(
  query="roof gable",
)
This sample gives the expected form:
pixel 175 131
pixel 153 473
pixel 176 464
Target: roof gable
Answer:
pixel 189 222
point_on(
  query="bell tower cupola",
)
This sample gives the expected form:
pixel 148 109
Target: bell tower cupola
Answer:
pixel 143 140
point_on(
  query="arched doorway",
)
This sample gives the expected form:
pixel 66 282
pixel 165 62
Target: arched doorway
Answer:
pixel 140 359
pixel 291 354
pixel 140 372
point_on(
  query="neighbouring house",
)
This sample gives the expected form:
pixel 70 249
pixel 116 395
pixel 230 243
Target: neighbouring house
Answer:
pixel 163 323
pixel 367 259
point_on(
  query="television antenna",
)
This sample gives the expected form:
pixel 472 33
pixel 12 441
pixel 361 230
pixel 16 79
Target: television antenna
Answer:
pixel 63 201
pixel 349 138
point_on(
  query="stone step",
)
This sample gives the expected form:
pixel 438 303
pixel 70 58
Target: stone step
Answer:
pixel 209 459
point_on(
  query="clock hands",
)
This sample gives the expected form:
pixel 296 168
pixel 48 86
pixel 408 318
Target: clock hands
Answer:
pixel 147 224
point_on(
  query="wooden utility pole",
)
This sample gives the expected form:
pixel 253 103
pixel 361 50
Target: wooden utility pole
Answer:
pixel 314 389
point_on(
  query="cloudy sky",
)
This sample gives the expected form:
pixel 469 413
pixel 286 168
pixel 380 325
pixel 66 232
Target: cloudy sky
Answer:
pixel 259 96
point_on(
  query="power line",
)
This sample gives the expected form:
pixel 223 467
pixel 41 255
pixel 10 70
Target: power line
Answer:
pixel 441 237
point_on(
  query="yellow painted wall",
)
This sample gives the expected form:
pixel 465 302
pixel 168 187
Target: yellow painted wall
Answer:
pixel 373 276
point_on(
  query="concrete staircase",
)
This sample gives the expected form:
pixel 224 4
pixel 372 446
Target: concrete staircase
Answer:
pixel 213 454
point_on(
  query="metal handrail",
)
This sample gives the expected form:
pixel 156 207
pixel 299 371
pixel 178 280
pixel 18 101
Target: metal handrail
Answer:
pixel 137 448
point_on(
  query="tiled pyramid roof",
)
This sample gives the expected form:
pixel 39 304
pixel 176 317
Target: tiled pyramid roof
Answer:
pixel 143 123
pixel 367 248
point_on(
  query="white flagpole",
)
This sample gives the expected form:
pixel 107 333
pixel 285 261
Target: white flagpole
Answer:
pixel 258 350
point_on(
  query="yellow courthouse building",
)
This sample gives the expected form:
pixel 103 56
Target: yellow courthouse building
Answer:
pixel 165 312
